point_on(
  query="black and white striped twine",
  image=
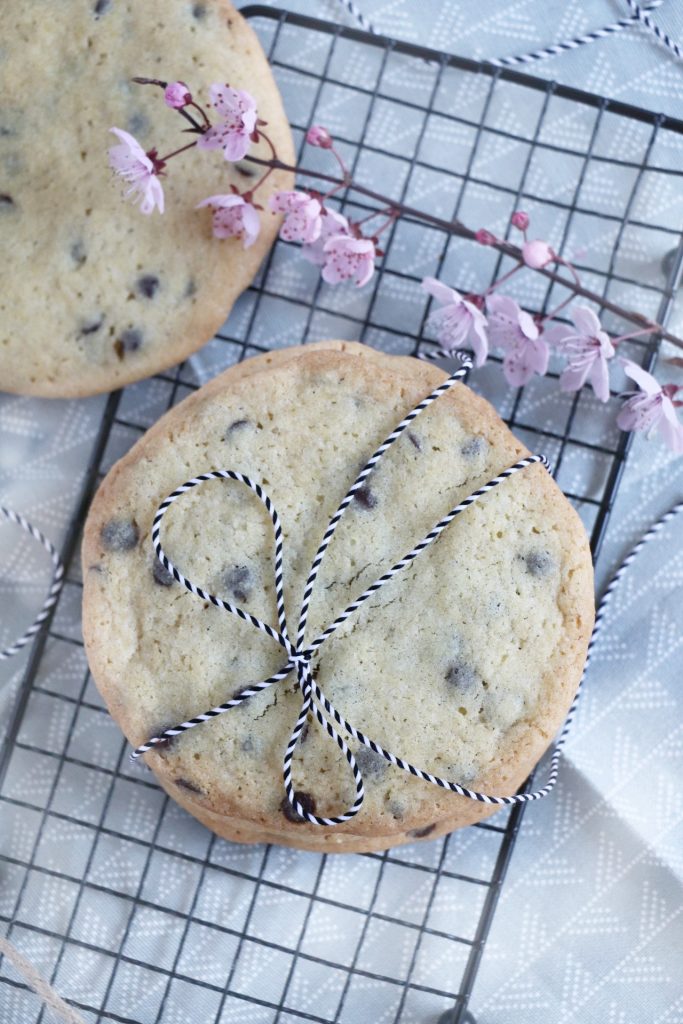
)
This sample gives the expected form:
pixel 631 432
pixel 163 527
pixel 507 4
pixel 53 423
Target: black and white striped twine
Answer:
pixel 55 586
pixel 640 16
pixel 299 656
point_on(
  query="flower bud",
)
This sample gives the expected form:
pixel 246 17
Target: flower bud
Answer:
pixel 319 136
pixel 177 95
pixel 537 254
pixel 520 220
pixel 485 237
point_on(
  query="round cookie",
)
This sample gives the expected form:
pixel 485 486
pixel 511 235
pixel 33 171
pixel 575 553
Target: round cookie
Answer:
pixel 95 294
pixel 465 664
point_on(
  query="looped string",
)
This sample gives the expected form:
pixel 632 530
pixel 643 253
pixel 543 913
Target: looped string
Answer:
pixel 299 656
pixel 55 585
pixel 639 15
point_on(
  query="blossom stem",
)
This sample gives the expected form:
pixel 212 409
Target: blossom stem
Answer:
pixel 391 215
pixel 346 181
pixel 565 302
pixel 632 334
pixel 505 277
pixel 273 161
pixel 391 219
pixel 456 227
pixel 337 188
pixel 263 178
pixel 376 213
pixel 342 166
pixel 266 138
pixel 204 115
pixel 149 81
pixel 164 159
pixel 196 126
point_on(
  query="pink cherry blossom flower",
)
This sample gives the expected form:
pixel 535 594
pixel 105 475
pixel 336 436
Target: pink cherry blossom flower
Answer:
pixel 332 224
pixel 131 163
pixel 303 216
pixel 458 323
pixel 319 136
pixel 537 254
pixel 587 348
pixel 348 259
pixel 177 95
pixel 233 216
pixel 651 409
pixel 513 329
pixel 233 133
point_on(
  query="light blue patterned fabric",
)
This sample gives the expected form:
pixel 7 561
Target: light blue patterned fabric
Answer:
pixel 590 925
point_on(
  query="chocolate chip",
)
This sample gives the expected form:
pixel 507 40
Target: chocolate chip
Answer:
pixel 198 11
pixel 161 574
pixel 245 170
pixel 236 425
pixel 473 447
pixel 5 200
pixel 147 285
pixel 78 253
pixel 306 801
pixel 120 534
pixel 92 326
pixel 415 440
pixel 138 124
pixel 365 497
pixel 539 563
pixel 130 341
pixel 239 582
pixel 185 784
pixel 100 7
pixel 461 675
pixel 397 810
pixel 372 765
pixel 421 833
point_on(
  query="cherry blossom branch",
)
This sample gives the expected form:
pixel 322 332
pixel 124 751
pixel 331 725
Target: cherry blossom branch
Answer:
pixel 244 124
pixel 456 227
pixel 345 252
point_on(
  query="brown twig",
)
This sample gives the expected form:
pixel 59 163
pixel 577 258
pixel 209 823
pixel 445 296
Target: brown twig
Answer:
pixel 456 227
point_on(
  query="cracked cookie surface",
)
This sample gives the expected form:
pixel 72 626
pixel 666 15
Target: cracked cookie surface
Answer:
pixel 465 664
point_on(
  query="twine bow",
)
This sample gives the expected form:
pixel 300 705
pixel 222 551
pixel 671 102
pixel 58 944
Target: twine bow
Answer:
pixel 299 656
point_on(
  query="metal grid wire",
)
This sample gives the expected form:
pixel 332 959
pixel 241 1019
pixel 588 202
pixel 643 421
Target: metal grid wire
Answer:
pixel 133 911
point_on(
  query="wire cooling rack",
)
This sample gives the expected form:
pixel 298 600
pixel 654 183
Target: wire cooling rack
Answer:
pixel 127 906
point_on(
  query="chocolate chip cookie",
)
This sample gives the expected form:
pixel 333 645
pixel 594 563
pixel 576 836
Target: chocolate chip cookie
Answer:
pixel 95 294
pixel 465 664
